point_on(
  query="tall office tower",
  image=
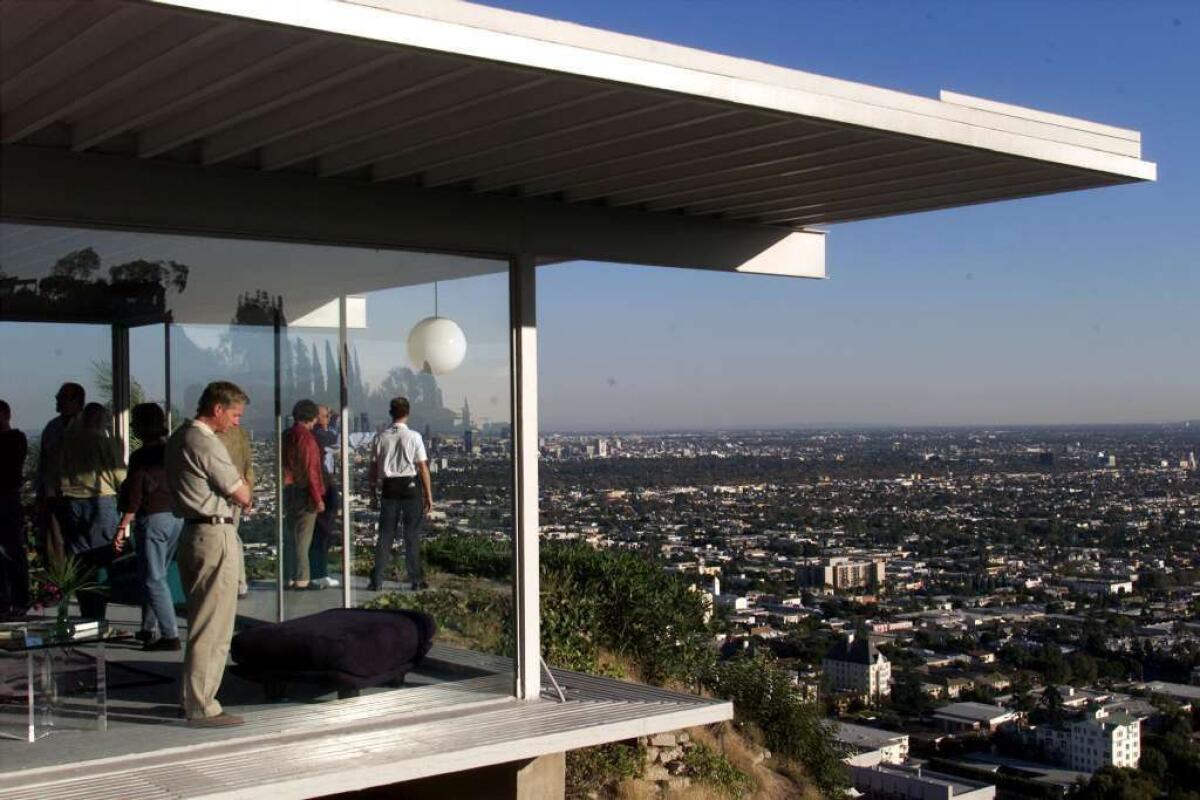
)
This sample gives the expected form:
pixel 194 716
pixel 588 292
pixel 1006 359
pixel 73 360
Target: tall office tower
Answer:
pixel 466 415
pixel 468 440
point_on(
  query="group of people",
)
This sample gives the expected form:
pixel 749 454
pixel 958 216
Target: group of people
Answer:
pixel 181 499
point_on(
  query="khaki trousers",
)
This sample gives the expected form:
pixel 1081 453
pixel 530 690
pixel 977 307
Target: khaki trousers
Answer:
pixel 208 566
pixel 301 521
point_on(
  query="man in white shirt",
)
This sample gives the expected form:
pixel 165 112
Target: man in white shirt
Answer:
pixel 400 469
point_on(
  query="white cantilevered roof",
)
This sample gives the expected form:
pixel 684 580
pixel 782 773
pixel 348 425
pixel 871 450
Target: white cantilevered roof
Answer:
pixel 483 101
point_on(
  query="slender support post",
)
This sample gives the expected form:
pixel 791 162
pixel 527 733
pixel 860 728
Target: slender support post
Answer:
pixel 121 385
pixel 167 373
pixel 344 448
pixel 280 567
pixel 523 355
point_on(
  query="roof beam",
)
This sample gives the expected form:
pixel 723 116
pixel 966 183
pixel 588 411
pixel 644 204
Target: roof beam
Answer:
pixel 952 199
pixel 347 150
pixel 85 189
pixel 243 61
pixel 784 191
pixel 1009 177
pixel 671 188
pixel 852 185
pixel 500 183
pixel 550 182
pixel 65 45
pixel 593 186
pixel 170 44
pixel 333 106
pixel 336 66
pixel 17 23
pixel 431 179
pixel 392 167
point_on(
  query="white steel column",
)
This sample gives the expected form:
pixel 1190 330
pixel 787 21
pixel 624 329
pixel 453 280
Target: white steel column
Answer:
pixel 344 448
pixel 526 592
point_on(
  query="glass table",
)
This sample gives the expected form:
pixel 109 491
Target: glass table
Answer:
pixel 42 665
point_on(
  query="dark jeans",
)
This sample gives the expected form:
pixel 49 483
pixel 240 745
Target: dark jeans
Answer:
pixel 157 542
pixel 89 527
pixel 324 533
pixel 407 515
pixel 14 565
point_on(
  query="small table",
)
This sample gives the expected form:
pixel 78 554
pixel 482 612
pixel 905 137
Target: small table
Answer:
pixel 51 657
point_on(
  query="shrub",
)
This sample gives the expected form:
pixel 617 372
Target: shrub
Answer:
pixel 590 769
pixel 708 766
pixel 763 695
pixel 469 555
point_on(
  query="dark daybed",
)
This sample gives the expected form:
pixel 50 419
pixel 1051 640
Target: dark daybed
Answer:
pixel 347 649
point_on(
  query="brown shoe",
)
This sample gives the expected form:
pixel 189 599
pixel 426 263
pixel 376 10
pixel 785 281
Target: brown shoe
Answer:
pixel 222 720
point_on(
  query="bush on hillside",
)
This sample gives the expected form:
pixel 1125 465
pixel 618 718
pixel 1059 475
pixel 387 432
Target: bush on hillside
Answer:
pixel 596 601
pixel 792 728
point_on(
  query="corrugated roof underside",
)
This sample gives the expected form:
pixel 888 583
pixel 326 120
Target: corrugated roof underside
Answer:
pixel 154 82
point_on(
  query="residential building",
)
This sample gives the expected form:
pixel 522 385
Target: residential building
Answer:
pixel 842 573
pixel 918 784
pixel 854 664
pixel 1098 739
pixel 974 717
pixel 871 746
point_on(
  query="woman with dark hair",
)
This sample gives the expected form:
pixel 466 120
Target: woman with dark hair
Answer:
pixel 146 503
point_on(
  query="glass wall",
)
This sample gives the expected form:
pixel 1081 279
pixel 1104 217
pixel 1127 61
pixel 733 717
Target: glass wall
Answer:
pixel 345 330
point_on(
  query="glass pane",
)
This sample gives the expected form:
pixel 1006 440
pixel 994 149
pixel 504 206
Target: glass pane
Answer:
pixel 463 417
pixel 269 318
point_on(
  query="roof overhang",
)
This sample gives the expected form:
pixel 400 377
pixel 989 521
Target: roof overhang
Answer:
pixel 453 99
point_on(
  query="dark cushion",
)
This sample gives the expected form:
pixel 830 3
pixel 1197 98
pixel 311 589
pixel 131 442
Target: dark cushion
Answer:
pixel 354 641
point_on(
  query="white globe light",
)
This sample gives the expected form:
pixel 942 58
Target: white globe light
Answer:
pixel 436 345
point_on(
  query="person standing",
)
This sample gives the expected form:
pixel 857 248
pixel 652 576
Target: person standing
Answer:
pixel 69 403
pixel 91 470
pixel 303 490
pixel 325 531
pixel 14 564
pixel 237 442
pixel 205 488
pixel 145 503
pixel 400 469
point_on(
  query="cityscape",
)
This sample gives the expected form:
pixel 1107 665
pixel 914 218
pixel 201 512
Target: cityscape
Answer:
pixel 1005 600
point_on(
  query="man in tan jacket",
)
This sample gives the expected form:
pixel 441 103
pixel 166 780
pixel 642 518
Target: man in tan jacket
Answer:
pixel 205 489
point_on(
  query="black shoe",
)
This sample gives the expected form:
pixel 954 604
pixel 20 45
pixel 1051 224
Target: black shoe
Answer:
pixel 165 644
pixel 145 637
pixel 371 587
pixel 419 586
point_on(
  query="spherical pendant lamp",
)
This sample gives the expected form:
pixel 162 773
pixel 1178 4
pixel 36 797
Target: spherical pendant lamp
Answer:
pixel 437 345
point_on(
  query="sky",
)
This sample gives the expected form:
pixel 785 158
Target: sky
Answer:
pixel 1077 308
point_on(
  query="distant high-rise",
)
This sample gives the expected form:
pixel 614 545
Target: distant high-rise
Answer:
pixel 466 415
pixel 842 573
pixel 468 440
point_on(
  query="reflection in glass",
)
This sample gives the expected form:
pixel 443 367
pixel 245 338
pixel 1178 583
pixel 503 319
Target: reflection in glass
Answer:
pixel 140 317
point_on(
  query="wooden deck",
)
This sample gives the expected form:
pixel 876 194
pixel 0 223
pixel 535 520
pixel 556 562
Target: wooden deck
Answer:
pixel 458 714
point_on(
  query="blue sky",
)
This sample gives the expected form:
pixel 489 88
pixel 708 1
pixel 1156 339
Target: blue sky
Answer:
pixel 1076 308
